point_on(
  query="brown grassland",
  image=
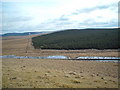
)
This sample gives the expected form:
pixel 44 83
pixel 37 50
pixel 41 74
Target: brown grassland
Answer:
pixel 46 73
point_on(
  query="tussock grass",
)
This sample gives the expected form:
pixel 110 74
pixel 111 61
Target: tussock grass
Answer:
pixel 57 74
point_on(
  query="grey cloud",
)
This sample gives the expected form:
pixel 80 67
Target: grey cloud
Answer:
pixel 16 19
pixel 99 24
pixel 16 24
pixel 63 22
pixel 57 23
pixel 20 28
pixel 88 10
pixel 63 18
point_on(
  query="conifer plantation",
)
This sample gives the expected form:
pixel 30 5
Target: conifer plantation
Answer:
pixel 78 39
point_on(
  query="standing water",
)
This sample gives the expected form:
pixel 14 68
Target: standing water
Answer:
pixel 105 59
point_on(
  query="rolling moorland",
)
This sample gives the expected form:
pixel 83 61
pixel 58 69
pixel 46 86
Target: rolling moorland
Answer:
pixel 47 73
pixel 75 39
pixel 22 34
pixel 22 46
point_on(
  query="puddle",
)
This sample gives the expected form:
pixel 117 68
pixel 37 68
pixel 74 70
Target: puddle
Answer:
pixel 107 60
pixel 88 57
pixel 57 57
pixel 35 57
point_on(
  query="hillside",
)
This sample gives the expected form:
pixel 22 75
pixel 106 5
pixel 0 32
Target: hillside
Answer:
pixel 78 39
pixel 22 34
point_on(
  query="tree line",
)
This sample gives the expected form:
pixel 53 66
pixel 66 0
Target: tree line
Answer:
pixel 79 39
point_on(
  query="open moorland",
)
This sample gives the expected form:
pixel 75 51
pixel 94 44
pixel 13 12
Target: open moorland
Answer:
pixel 41 73
pixel 44 73
pixel 22 46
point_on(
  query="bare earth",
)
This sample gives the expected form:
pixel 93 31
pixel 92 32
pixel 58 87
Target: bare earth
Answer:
pixel 43 73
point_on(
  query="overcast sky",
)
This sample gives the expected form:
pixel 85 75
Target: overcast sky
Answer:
pixel 52 15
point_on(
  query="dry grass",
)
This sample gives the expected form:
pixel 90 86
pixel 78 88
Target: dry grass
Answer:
pixel 38 73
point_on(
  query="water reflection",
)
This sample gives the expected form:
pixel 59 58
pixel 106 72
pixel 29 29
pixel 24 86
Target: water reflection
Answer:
pixel 64 57
pixel 35 57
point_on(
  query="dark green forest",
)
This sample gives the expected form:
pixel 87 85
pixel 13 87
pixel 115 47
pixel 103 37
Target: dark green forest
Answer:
pixel 78 39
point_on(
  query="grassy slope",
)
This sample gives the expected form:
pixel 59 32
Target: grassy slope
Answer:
pixel 78 39
pixel 43 73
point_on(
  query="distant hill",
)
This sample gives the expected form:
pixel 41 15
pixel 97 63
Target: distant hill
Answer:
pixel 79 39
pixel 22 34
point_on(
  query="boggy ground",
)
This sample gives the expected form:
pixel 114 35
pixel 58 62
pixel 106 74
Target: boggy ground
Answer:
pixel 44 73
pixel 22 46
